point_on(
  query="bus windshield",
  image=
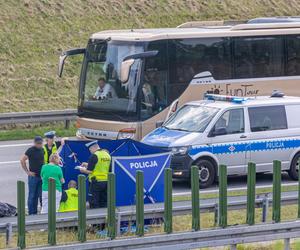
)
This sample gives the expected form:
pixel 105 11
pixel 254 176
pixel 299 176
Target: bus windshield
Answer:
pixel 101 88
pixel 191 118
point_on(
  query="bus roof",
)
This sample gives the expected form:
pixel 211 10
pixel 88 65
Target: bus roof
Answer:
pixel 246 29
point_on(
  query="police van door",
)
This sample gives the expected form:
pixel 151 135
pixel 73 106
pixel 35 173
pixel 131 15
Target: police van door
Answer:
pixel 228 140
pixel 268 126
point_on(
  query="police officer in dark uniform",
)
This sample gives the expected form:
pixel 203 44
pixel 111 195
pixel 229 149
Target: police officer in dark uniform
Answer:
pixel 97 169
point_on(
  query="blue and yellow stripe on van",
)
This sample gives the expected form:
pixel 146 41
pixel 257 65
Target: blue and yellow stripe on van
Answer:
pixel 240 147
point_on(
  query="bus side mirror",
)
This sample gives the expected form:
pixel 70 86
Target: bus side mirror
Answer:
pixel 64 55
pixel 172 109
pixel 129 60
pixel 61 63
pixel 125 70
pixel 159 124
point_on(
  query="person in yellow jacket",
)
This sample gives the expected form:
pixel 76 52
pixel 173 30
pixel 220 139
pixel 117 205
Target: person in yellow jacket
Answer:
pixel 51 146
pixel 69 201
pixel 97 169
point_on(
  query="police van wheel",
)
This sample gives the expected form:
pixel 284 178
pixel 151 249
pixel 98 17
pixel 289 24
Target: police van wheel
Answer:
pixel 207 173
pixel 294 169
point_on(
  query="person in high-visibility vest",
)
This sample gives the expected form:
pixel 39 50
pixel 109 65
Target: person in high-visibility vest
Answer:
pixel 97 169
pixel 51 146
pixel 69 200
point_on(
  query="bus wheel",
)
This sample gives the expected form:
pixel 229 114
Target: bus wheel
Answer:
pixel 207 173
pixel 294 169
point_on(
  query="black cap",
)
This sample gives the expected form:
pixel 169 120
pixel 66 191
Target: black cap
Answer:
pixel 38 139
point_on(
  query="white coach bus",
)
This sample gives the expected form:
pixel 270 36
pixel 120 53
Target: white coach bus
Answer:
pixel 132 79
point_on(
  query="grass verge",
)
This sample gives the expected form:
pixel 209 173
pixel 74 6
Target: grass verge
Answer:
pixel 34 32
pixel 180 223
pixel 20 133
pixel 259 191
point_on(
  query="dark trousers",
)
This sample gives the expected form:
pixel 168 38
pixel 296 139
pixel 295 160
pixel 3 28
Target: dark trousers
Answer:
pixel 34 192
pixel 98 194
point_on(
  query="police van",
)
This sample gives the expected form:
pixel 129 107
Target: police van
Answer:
pixel 232 130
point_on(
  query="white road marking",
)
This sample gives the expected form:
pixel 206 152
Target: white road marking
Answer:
pixel 8 162
pixel 15 145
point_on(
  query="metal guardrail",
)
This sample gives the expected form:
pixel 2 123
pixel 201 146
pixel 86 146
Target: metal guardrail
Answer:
pixel 38 117
pixel 234 189
pixel 199 239
pixel 151 211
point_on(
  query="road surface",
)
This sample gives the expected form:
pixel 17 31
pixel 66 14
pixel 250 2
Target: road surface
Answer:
pixel 10 169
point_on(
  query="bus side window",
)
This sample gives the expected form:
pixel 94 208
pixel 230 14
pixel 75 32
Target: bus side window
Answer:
pixel 154 89
pixel 191 56
pixel 293 55
pixel 256 57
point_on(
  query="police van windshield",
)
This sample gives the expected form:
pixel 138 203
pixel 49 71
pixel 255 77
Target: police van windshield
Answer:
pixel 191 118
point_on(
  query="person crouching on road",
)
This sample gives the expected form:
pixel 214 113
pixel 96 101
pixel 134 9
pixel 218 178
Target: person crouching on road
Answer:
pixel 52 170
pixel 69 199
pixel 35 156
pixel 97 168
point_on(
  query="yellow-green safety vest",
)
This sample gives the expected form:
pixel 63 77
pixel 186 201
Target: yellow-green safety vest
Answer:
pixel 71 204
pixel 101 169
pixel 46 156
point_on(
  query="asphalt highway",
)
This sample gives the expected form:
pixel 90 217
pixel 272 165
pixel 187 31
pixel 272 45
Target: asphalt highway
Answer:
pixel 11 171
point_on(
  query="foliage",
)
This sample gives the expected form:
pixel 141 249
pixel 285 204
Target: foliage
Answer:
pixel 34 32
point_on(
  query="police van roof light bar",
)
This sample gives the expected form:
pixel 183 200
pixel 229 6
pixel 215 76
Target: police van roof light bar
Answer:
pixel 225 98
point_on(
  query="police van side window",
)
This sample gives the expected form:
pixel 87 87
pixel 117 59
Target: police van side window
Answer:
pixel 293 120
pixel 231 122
pixel 267 118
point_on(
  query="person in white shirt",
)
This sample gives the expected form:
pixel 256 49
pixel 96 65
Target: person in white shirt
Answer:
pixel 104 90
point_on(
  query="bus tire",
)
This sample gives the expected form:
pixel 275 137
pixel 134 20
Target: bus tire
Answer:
pixel 294 169
pixel 207 173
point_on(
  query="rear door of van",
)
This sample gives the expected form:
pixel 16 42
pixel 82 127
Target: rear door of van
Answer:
pixel 269 136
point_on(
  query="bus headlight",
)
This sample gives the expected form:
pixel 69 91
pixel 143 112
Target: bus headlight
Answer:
pixel 126 133
pixel 180 150
pixel 78 133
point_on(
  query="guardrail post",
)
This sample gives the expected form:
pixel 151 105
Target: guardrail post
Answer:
pixel 8 234
pixel 67 124
pixel 287 244
pixel 139 203
pixel 51 212
pixel 81 208
pixel 276 190
pixel 216 214
pixel 111 208
pixel 233 247
pixel 251 179
pixel 168 221
pixel 118 223
pixel 195 198
pixel 21 214
pixel 223 196
pixel 265 208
